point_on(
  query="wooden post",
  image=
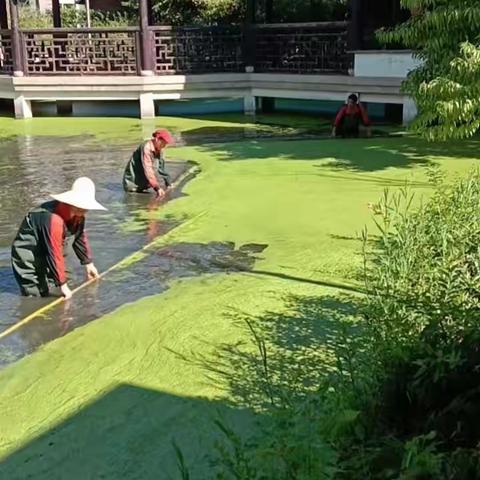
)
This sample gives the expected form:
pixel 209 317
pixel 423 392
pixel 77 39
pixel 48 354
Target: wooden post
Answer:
pixel 269 11
pixel 267 104
pixel 57 14
pixel 87 10
pixel 3 15
pixel 151 20
pixel 249 36
pixel 250 14
pixel 16 40
pixel 395 10
pixel 147 44
pixel 355 40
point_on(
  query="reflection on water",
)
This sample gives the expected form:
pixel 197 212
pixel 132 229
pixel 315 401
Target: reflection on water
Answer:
pixel 33 167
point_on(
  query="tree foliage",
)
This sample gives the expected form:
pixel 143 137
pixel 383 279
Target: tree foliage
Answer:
pixel 309 10
pixel 191 12
pixel 209 12
pixel 444 35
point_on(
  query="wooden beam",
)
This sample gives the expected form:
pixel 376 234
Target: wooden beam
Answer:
pixel 16 45
pixel 150 13
pixel 395 12
pixel 56 13
pixel 249 36
pixel 3 14
pixel 251 10
pixel 147 48
pixel 269 11
pixel 355 34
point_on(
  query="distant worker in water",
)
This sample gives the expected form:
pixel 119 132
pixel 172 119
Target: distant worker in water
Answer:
pixel 146 168
pixel 351 120
pixel 39 247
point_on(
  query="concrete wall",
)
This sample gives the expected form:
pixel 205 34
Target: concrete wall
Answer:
pixel 384 63
pixel 148 91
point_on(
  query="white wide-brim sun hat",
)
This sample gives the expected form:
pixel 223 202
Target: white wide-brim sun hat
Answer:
pixel 82 195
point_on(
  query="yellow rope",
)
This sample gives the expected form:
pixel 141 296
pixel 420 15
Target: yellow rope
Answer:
pixel 57 301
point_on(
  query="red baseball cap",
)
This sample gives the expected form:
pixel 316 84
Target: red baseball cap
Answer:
pixel 164 135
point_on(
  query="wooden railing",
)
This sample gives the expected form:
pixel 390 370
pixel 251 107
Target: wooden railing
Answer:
pixel 198 49
pixel 94 51
pixel 302 48
pixel 6 58
pixel 286 48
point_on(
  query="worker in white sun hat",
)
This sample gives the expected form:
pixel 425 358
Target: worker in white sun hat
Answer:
pixel 38 248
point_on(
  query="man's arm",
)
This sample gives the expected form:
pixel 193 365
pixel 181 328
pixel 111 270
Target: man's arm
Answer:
pixel 162 171
pixel 51 233
pixel 81 246
pixel 338 119
pixel 364 115
pixel 148 166
pixel 365 119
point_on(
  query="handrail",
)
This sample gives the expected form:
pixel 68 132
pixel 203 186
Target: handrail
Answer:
pixel 302 25
pixel 30 31
pixel 193 27
pixel 342 24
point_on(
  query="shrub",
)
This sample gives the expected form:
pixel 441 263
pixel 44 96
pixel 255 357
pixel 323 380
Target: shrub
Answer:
pixel 72 18
pixel 423 310
pixel 424 279
pixel 404 401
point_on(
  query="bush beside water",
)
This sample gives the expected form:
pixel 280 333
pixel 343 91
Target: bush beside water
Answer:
pixel 403 400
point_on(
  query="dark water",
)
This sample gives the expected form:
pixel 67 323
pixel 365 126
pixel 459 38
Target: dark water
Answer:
pixel 33 167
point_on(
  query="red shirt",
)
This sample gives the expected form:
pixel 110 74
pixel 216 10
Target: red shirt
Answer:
pixel 356 110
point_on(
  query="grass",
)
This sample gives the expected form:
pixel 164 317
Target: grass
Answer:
pixel 108 400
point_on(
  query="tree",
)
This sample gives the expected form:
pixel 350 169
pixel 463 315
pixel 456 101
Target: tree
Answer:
pixel 214 12
pixel 444 34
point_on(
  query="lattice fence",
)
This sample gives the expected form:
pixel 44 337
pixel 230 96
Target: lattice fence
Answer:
pixel 198 50
pixel 6 61
pixel 301 49
pixel 76 52
pixel 287 48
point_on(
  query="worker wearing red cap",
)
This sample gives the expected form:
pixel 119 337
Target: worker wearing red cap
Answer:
pixel 146 168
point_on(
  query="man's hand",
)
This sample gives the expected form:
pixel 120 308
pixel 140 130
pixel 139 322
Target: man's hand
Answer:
pixel 91 271
pixel 66 292
pixel 160 193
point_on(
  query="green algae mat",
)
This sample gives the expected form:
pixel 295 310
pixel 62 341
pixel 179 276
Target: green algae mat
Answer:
pixel 108 400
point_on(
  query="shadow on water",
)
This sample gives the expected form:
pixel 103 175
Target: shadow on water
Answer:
pixel 352 156
pixel 127 433
pixel 148 276
pixel 290 352
pixel 261 131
